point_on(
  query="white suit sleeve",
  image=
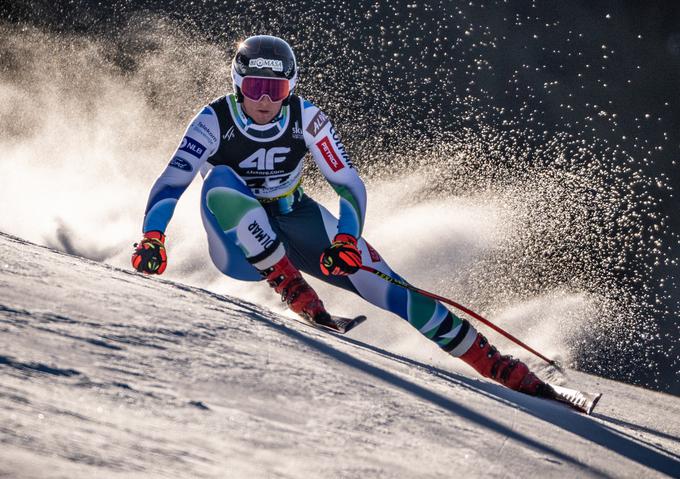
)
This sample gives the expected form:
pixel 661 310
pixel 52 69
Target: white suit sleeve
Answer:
pixel 335 164
pixel 200 141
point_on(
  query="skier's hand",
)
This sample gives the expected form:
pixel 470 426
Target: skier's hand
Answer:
pixel 342 257
pixel 149 256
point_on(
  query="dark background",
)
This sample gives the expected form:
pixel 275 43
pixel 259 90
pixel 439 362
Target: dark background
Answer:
pixel 602 74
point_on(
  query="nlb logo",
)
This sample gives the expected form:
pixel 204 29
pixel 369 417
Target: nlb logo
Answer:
pixel 191 146
pixel 329 154
pixel 276 65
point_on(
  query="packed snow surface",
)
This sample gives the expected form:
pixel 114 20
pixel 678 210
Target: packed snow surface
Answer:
pixel 108 373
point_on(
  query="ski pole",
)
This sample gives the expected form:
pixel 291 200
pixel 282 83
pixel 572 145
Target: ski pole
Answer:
pixel 479 318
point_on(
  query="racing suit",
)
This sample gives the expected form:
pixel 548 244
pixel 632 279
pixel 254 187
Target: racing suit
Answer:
pixel 255 211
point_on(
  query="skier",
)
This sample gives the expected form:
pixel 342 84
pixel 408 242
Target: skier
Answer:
pixel 249 147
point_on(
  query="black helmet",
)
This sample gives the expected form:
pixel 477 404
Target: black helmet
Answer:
pixel 263 56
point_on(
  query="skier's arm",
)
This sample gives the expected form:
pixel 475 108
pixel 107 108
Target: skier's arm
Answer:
pixel 199 142
pixel 332 159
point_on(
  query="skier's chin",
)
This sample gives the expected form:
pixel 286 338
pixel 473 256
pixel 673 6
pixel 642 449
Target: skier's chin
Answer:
pixel 262 112
pixel 262 117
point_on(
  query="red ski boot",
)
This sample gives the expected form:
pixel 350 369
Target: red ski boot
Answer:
pixel 510 372
pixel 294 290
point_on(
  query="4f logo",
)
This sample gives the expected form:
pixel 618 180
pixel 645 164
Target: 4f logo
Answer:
pixel 265 160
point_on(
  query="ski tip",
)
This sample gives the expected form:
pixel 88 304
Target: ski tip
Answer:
pixel 339 324
pixel 347 324
pixel 581 401
pixel 593 402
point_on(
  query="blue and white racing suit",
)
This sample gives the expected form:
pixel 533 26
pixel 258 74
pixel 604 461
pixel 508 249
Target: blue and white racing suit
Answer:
pixel 255 211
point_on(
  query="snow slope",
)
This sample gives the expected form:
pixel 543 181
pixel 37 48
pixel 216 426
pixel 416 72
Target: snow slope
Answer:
pixel 107 373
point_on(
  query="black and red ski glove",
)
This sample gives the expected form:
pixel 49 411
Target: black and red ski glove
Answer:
pixel 342 257
pixel 149 256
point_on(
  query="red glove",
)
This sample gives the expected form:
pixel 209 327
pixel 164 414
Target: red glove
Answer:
pixel 342 257
pixel 149 256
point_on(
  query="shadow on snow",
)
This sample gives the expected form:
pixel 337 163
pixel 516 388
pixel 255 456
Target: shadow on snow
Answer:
pixel 557 414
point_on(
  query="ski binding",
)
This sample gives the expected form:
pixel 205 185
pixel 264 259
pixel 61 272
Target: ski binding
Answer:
pixel 581 401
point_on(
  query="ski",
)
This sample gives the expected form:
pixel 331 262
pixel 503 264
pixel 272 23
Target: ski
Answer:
pixel 581 401
pixel 339 324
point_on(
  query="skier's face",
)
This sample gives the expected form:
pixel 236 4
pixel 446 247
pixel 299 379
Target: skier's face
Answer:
pixel 262 111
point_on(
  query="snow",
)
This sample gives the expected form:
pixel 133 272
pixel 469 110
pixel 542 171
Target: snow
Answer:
pixel 108 373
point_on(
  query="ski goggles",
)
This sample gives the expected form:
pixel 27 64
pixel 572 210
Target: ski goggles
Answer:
pixel 255 88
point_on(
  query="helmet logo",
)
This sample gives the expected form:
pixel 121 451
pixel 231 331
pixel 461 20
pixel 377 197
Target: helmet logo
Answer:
pixel 275 65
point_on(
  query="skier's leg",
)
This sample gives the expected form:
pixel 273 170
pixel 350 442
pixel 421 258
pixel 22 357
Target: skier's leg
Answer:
pixel 240 238
pixel 243 244
pixel 308 231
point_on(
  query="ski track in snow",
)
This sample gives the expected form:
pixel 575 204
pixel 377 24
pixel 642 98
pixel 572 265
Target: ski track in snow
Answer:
pixel 108 373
